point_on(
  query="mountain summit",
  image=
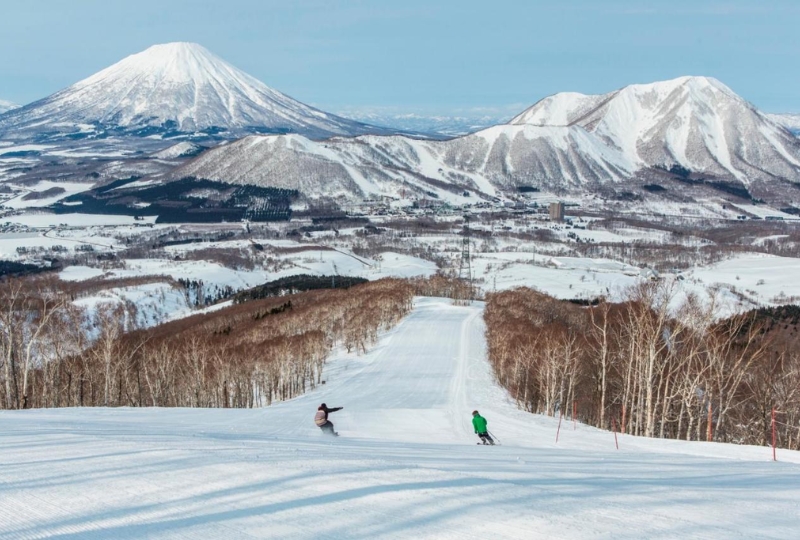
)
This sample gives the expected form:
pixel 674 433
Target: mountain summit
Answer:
pixel 697 123
pixel 174 88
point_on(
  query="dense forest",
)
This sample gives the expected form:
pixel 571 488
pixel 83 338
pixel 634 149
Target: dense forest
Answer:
pixel 188 200
pixel 296 284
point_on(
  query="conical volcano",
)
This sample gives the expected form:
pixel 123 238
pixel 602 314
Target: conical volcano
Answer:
pixel 174 88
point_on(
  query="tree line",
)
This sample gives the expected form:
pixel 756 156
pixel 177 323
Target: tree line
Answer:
pixel 653 365
pixel 246 355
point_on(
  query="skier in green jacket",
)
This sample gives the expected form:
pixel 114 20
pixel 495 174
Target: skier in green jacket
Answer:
pixel 479 423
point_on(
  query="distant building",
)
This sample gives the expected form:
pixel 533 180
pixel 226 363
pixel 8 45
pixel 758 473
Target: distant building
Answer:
pixel 650 274
pixel 557 211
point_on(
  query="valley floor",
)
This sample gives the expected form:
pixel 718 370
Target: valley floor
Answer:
pixel 406 464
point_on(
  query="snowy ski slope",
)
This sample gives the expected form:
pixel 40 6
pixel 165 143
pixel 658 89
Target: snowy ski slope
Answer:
pixel 406 465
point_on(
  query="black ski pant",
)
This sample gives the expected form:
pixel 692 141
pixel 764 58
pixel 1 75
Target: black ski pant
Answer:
pixel 486 438
pixel 327 427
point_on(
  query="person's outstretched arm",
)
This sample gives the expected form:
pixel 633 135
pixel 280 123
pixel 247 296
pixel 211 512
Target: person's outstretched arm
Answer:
pixel 335 409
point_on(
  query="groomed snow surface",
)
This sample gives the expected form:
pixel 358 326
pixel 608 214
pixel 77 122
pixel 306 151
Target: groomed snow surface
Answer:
pixel 406 464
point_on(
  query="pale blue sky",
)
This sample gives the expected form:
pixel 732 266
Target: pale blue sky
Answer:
pixel 419 55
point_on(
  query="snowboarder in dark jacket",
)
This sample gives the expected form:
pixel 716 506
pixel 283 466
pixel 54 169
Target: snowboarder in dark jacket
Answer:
pixel 479 423
pixel 321 418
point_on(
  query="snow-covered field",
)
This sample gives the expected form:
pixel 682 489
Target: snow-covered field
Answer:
pixel 764 278
pixel 45 220
pixel 499 262
pixel 33 239
pixel 159 302
pixel 406 465
pixel 562 277
pixel 70 188
pixel 765 211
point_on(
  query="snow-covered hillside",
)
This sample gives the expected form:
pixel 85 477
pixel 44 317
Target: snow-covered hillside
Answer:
pixel 695 122
pixel 6 106
pixel 179 150
pixel 498 157
pixel 567 141
pixel 406 464
pixel 789 121
pixel 174 87
pixel 339 167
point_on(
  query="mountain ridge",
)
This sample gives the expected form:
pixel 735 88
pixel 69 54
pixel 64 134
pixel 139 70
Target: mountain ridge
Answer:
pixel 566 142
pixel 695 122
pixel 497 158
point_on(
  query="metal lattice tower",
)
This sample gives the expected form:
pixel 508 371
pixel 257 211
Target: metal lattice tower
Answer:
pixel 465 270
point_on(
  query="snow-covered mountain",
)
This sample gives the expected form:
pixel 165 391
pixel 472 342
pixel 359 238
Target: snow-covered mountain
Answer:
pixel 6 106
pixel 339 168
pixel 170 89
pixel 789 121
pixel 567 141
pixel 501 157
pixel 695 122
